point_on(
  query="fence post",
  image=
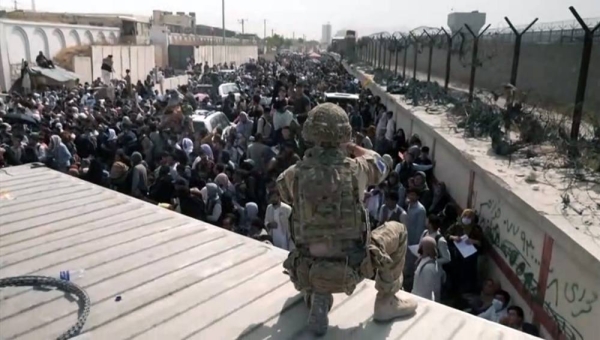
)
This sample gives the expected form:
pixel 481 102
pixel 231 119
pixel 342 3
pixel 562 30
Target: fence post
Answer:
pixel 474 59
pixel 396 50
pixel 450 38
pixel 375 50
pixel 406 45
pixel 586 55
pixel 416 41
pixel 384 50
pixel 431 40
pixel 391 48
pixel 370 51
pixel 517 51
pixel 381 52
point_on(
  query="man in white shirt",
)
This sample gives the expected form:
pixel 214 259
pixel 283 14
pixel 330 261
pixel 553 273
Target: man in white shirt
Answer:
pixel 277 221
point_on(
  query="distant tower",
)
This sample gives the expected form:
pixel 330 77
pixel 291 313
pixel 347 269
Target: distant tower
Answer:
pixel 33 5
pixel 326 34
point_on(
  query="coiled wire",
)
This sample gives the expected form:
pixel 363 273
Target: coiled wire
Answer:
pixel 83 300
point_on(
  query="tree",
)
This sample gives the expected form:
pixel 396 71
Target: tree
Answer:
pixel 276 41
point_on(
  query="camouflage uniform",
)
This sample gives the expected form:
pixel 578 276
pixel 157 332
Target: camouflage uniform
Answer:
pixel 335 247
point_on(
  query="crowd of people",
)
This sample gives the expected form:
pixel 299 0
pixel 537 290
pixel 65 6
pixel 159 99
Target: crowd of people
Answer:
pixel 143 143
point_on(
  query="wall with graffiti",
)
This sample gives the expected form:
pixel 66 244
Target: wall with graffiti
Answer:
pixel 561 294
pixel 554 279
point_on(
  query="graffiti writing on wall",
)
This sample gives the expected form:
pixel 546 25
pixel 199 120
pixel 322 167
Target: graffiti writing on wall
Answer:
pixel 518 250
pixel 579 299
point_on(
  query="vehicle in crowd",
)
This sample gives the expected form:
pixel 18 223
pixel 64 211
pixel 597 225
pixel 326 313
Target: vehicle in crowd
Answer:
pixel 209 120
pixel 226 88
pixel 226 72
pixel 202 91
pixel 341 99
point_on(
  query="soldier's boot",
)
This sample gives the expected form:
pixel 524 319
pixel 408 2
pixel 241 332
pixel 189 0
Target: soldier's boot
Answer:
pixel 318 321
pixel 388 306
pixel 307 297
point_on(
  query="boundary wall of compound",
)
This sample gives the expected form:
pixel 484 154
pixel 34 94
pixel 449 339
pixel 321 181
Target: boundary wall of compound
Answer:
pixel 225 54
pixel 138 59
pixel 549 267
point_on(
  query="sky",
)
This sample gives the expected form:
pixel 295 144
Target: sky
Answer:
pixel 306 17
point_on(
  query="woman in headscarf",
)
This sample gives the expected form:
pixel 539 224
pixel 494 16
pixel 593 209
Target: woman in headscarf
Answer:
pixel 61 157
pixel 213 205
pixel 222 180
pixel 109 147
pixel 207 151
pixel 187 145
pixel 244 125
pixel 419 182
pixel 249 214
pixel 428 276
pixel 463 274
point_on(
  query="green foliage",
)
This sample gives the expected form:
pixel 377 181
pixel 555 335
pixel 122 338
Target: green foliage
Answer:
pixel 279 41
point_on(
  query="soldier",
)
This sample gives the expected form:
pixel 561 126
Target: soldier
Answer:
pixel 335 248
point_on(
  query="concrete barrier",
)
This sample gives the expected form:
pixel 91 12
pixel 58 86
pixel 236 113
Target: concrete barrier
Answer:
pixel 138 59
pixel 221 54
pixel 171 83
pixel 547 260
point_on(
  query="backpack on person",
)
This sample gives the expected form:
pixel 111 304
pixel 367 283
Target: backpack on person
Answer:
pixel 326 200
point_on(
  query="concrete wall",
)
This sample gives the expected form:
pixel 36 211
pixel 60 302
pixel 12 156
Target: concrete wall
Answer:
pixel 222 54
pixel 537 257
pixel 138 59
pixel 549 72
pixel 83 67
pixel 171 83
pixel 23 40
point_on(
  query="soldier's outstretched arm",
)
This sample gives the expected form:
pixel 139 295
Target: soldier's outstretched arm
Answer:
pixel 285 184
pixel 370 164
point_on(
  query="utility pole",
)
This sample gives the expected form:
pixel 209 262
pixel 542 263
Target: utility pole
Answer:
pixel 242 21
pixel 223 13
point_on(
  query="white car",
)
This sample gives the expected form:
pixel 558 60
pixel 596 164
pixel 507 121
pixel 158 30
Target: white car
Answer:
pixel 342 99
pixel 226 88
pixel 209 120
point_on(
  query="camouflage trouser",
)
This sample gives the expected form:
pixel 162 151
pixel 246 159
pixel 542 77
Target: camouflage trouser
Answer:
pixel 384 259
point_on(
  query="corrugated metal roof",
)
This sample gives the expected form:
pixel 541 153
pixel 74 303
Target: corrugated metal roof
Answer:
pixel 57 74
pixel 178 278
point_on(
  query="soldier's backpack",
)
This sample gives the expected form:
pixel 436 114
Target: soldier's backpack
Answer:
pixel 326 202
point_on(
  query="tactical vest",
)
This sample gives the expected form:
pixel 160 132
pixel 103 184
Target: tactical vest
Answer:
pixel 326 201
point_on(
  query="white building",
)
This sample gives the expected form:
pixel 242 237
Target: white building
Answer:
pixel 326 34
pixel 23 40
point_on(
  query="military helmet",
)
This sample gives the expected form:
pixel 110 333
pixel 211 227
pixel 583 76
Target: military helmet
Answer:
pixel 327 124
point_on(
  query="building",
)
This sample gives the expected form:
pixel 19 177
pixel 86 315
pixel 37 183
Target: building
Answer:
pixel 134 30
pixel 326 34
pixel 457 21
